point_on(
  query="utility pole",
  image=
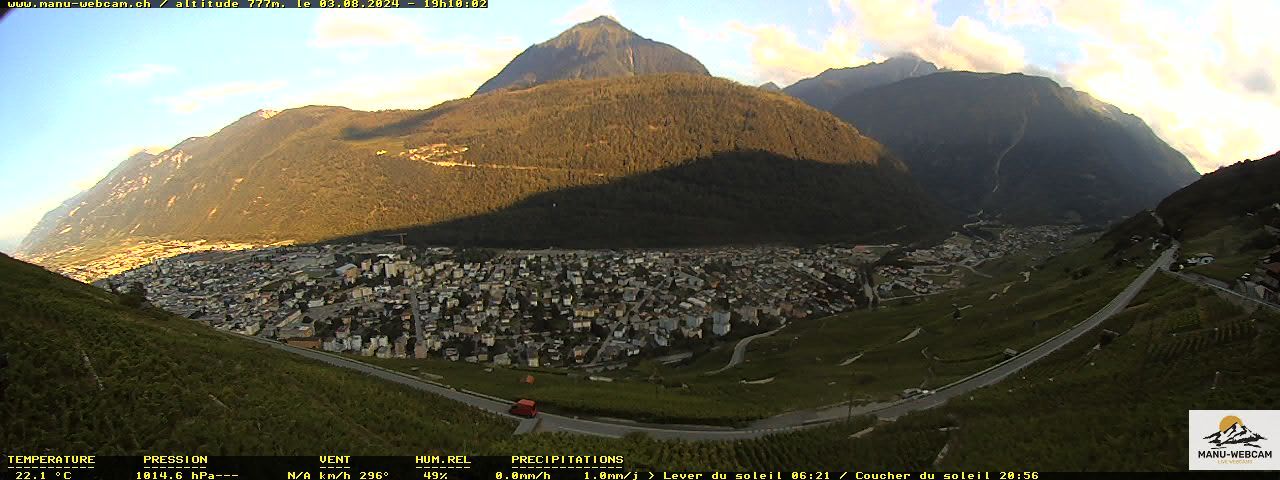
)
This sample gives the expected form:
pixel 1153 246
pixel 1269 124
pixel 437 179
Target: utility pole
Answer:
pixel 849 397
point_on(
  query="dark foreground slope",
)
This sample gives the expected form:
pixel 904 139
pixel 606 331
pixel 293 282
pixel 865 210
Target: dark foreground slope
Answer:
pixel 1224 196
pixel 1019 147
pixel 318 173
pixel 1239 200
pixel 601 48
pixel 89 375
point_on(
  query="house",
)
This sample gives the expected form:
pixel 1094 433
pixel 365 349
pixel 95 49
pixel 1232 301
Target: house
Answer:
pixel 502 359
pixel 1200 259
pixel 313 343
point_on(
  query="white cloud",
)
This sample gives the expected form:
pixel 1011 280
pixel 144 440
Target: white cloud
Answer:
pixel 142 75
pixel 587 11
pixel 1204 80
pixel 382 92
pixel 195 99
pixel 472 61
pixel 874 29
pixel 912 26
pixel 779 57
pixel 365 28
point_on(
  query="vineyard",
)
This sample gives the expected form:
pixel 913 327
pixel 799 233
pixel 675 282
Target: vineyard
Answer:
pixel 88 375
pixel 910 444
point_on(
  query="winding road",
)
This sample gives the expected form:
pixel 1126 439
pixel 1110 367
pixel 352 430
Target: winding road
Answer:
pixel 780 423
pixel 740 350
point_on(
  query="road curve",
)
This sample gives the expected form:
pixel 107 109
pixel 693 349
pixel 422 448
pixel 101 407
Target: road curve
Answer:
pixel 740 350
pixel 780 423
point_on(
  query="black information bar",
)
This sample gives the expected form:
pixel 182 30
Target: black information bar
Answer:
pixel 459 467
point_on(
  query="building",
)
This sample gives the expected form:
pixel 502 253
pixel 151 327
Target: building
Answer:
pixel 1200 259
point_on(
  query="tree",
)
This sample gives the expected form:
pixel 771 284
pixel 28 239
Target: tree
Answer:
pixel 134 296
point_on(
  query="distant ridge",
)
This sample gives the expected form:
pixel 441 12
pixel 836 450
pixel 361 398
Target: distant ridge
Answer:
pixel 1019 148
pixel 829 87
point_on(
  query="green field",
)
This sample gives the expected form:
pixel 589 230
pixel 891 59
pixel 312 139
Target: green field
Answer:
pixel 169 385
pixel 1235 250
pixel 804 360
pixel 1118 407
pixel 88 375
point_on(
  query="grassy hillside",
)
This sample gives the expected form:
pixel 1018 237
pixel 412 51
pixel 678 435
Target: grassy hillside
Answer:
pixel 88 375
pixel 1118 407
pixel 1224 197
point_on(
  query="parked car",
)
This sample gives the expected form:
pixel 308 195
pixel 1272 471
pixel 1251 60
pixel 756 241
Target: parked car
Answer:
pixel 524 408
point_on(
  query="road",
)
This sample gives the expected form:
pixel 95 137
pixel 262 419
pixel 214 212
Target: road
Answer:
pixel 780 423
pixel 740 350
pixel 1218 285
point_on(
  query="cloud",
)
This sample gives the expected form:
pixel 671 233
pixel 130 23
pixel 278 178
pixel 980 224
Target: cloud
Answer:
pixel 364 28
pixel 912 26
pixel 1203 78
pixel 193 100
pixel 414 91
pixel 420 89
pixel 875 29
pixel 779 57
pixel 586 11
pixel 142 75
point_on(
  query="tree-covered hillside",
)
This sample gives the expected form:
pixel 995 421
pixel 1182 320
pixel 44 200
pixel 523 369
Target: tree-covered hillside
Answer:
pixel 1019 148
pixel 318 173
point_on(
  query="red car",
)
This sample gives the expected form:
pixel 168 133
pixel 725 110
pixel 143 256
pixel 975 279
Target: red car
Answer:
pixel 525 408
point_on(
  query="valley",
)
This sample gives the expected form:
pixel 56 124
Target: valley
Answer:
pixel 855 237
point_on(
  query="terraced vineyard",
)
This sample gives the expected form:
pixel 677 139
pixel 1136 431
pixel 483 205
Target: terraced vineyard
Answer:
pixel 910 444
pixel 88 375
pixel 1127 398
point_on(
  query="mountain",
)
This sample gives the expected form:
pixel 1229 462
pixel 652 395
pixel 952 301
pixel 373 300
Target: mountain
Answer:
pixel 1223 196
pixel 1236 434
pixel 601 48
pixel 832 85
pixel 1019 148
pixel 154 382
pixel 703 150
pixel 770 87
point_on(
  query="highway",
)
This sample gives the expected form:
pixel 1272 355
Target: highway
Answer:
pixel 780 423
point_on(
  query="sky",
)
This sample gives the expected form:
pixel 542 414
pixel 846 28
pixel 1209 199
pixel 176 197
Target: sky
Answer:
pixel 84 89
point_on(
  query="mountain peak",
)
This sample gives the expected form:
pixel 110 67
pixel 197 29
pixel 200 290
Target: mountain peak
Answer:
pixel 599 48
pixel 602 20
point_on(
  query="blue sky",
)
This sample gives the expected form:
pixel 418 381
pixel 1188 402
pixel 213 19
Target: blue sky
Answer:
pixel 85 88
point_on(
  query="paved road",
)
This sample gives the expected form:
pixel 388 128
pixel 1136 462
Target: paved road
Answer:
pixel 740 350
pixel 785 422
pixel 1218 285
